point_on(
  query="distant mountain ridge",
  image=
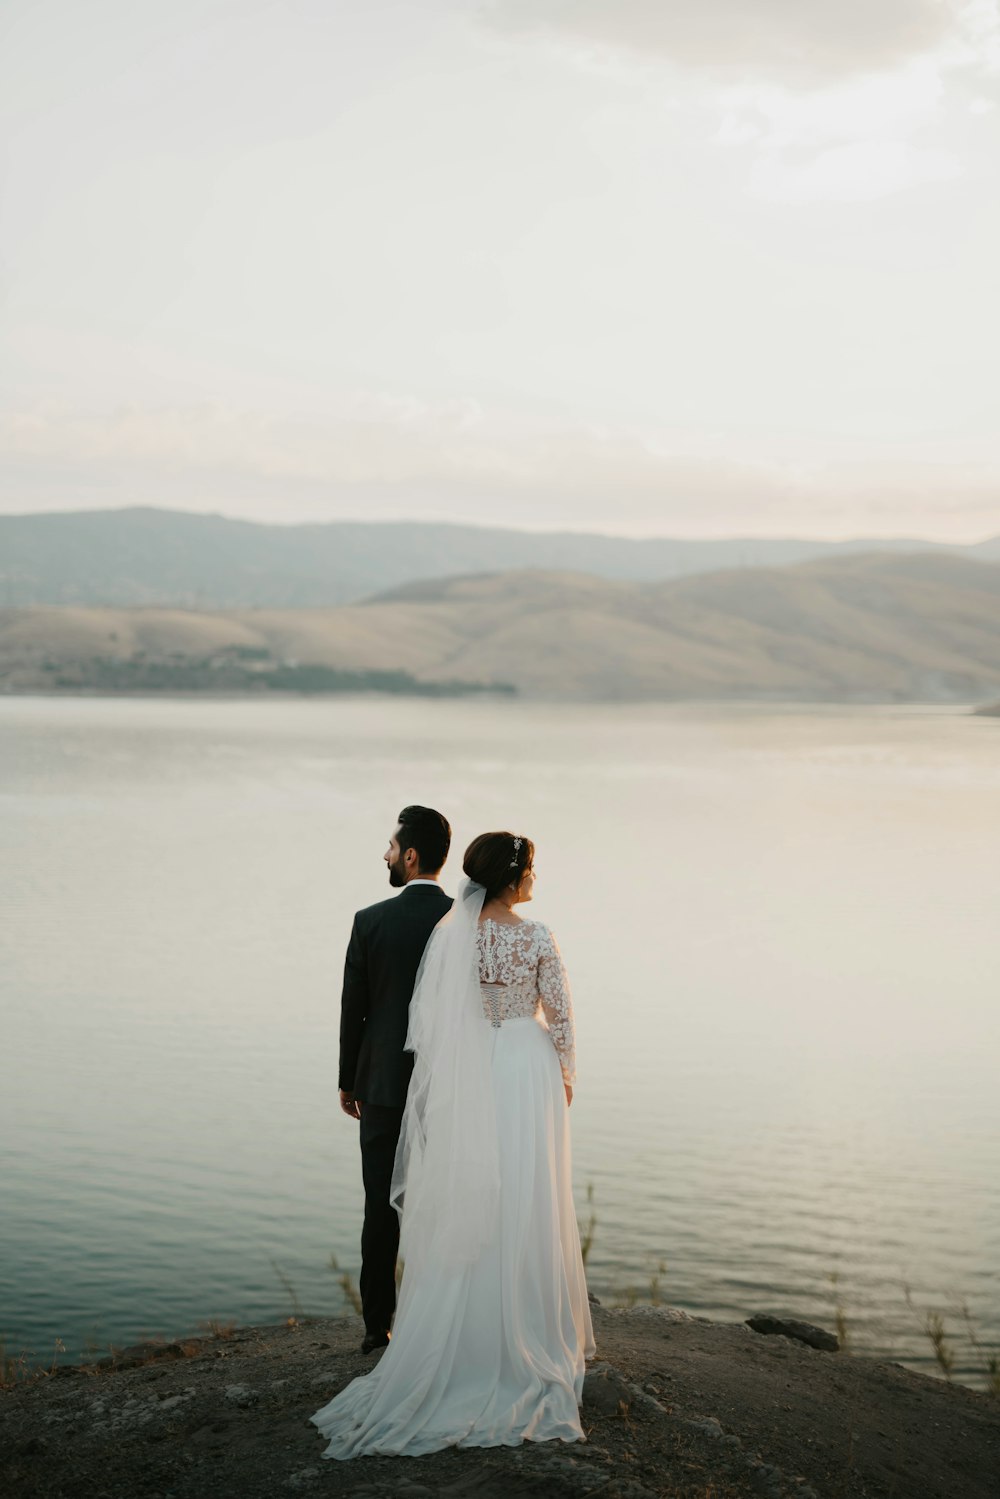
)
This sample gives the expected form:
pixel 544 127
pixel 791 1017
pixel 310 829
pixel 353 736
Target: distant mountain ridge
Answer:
pixel 916 627
pixel 173 559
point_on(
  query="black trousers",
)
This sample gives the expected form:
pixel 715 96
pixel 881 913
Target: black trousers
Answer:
pixel 380 1235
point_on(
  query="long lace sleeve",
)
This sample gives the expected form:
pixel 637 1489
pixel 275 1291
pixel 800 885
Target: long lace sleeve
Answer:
pixel 557 1003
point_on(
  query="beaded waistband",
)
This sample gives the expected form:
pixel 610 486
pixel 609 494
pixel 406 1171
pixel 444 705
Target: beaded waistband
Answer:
pixel 493 996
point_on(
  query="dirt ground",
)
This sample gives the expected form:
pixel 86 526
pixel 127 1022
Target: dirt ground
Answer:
pixel 673 1406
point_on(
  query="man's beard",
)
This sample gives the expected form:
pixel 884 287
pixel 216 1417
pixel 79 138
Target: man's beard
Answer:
pixel 396 875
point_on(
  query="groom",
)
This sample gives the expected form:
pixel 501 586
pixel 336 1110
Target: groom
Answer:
pixel 383 955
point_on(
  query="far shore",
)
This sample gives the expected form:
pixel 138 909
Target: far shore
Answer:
pixel 500 694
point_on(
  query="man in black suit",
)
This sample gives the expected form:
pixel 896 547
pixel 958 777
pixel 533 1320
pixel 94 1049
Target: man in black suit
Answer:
pixel 383 955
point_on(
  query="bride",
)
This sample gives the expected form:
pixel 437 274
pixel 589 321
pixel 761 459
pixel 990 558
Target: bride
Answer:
pixel 493 1323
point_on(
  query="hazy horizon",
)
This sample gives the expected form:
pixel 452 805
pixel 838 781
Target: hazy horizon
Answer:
pixel 489 524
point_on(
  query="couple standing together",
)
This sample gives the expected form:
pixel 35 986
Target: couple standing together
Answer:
pixel 465 1155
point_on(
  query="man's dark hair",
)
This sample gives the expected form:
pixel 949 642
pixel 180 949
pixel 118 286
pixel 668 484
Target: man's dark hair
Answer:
pixel 429 833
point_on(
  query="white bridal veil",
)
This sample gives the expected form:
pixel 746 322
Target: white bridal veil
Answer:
pixel 446 1176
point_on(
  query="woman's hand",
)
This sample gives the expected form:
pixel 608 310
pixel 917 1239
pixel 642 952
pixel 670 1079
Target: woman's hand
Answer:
pixel 569 1093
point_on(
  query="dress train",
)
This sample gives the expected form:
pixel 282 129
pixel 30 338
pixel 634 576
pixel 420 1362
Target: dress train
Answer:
pixel 491 1354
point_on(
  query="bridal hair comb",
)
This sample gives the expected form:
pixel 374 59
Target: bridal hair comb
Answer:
pixel 517 850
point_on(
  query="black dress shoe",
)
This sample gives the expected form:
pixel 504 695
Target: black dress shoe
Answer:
pixel 374 1340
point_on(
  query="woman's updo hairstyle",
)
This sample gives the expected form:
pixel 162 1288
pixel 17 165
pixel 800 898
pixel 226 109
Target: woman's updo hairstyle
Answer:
pixel 496 860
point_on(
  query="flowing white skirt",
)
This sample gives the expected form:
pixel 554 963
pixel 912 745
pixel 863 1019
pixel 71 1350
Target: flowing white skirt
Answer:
pixel 493 1354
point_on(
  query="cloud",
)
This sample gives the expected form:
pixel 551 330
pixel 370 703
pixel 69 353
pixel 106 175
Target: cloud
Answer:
pixel 387 457
pixel 851 141
pixel 865 108
pixel 794 41
pixel 853 173
pixel 831 100
pixel 371 440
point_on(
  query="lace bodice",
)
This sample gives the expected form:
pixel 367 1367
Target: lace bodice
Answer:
pixel 521 971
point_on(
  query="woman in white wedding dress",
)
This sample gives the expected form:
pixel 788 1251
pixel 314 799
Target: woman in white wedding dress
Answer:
pixel 493 1323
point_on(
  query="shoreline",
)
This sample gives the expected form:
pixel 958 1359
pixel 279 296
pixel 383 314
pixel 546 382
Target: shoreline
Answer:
pixel 672 1404
pixel 972 707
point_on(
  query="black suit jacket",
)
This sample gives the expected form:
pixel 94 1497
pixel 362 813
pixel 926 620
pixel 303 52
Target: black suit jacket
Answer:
pixel 383 955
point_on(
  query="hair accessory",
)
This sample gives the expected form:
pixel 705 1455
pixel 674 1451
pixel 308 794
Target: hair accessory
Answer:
pixel 517 849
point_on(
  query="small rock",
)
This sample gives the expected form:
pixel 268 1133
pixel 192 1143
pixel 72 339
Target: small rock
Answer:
pixel 241 1394
pixel 648 1404
pixel 802 1332
pixel 710 1426
pixel 170 1402
pixel 655 1314
pixel 302 1479
pixel 605 1392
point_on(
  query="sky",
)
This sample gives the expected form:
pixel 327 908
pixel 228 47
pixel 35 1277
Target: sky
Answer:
pixel 633 266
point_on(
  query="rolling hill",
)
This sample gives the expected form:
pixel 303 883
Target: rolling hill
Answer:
pixel 177 560
pixel 917 627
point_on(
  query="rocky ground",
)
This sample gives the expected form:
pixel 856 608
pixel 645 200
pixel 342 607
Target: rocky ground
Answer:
pixel 673 1406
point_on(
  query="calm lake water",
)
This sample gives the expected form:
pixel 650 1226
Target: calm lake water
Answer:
pixel 781 928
